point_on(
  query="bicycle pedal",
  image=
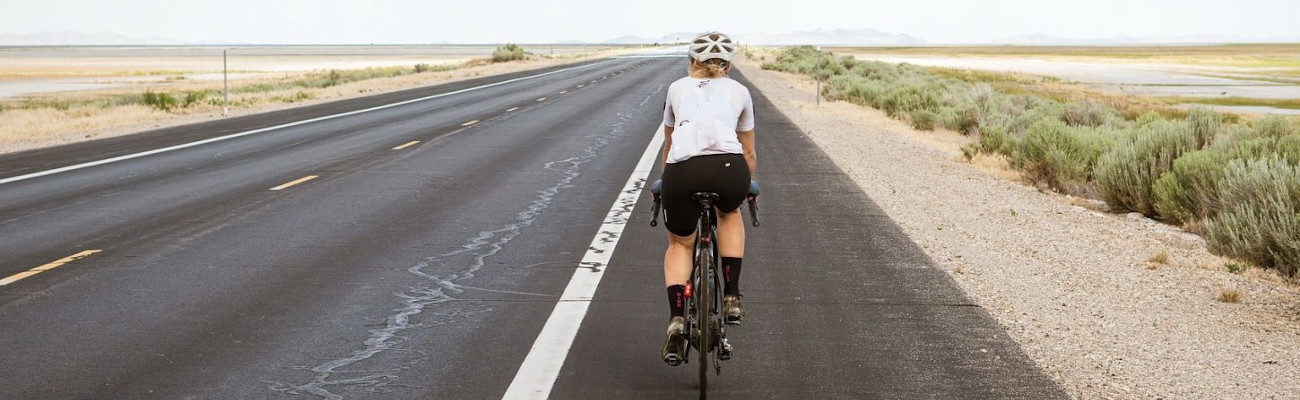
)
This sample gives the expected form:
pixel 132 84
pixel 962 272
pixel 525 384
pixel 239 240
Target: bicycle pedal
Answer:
pixel 724 351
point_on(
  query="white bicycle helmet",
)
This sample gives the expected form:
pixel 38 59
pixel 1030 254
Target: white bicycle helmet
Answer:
pixel 712 45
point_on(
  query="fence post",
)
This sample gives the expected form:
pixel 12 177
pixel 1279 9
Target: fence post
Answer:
pixel 225 85
pixel 819 75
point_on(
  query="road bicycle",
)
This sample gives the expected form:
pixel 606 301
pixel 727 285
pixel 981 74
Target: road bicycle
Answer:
pixel 706 326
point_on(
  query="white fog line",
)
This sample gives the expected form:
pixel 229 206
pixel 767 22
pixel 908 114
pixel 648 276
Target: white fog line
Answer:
pixel 542 365
pixel 281 126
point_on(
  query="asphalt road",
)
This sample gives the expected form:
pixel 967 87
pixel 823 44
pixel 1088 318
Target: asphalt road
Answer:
pixel 427 270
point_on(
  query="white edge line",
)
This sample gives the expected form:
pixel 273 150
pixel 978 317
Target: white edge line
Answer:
pixel 281 126
pixel 537 374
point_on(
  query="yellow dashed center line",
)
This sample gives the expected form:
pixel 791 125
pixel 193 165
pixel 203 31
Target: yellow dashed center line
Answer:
pixel 469 123
pixel 512 109
pixel 593 81
pixel 564 91
pixel 295 182
pixel 542 99
pixel 408 144
pixel 581 85
pixel 19 276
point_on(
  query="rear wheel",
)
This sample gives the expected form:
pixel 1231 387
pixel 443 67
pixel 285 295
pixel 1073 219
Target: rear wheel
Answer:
pixel 703 309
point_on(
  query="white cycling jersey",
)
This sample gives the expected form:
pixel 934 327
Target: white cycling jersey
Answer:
pixel 705 115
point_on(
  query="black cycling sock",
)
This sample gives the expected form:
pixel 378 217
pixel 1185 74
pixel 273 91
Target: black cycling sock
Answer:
pixel 731 272
pixel 677 300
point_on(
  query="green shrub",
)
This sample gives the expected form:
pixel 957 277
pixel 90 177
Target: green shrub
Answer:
pixel 194 97
pixel 1088 113
pixel 923 120
pixel 1289 148
pixel 993 140
pixel 1189 191
pixel 422 68
pixel 853 89
pixel 1125 175
pixel 1204 124
pixel 1273 126
pixel 966 121
pixel 509 52
pixel 1061 156
pixel 159 100
pixel 904 99
pixel 1260 221
pixel 1148 118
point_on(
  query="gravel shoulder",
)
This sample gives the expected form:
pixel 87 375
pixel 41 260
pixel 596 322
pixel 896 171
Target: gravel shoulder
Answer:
pixel 1075 287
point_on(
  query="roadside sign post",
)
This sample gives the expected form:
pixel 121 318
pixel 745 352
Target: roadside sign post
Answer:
pixel 225 85
pixel 819 75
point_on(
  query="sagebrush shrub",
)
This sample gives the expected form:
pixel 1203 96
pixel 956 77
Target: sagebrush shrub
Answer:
pixel 1125 175
pixel 1189 190
pixel 160 100
pixel 924 120
pixel 509 52
pixel 1260 220
pixel 1273 126
pixel 1289 148
pixel 1205 124
pixel 1088 113
pixel 1061 156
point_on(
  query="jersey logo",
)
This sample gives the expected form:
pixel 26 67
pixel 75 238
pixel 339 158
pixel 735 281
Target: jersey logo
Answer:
pixel 702 83
pixel 684 122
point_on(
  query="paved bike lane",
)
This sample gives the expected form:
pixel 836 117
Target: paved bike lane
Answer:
pixel 841 304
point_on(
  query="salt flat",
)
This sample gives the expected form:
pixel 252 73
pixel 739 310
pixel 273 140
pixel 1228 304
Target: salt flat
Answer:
pixel 1137 78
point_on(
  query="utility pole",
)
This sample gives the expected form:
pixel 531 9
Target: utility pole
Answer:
pixel 225 84
pixel 819 75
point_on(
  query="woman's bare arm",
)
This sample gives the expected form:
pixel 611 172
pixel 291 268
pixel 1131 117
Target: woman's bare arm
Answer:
pixel 747 143
pixel 668 143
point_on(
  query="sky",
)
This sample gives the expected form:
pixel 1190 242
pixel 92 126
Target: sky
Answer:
pixel 539 21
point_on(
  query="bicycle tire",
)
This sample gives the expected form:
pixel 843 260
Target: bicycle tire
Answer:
pixel 718 320
pixel 703 308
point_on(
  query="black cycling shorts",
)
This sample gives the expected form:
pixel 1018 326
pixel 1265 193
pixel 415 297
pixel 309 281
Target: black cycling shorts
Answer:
pixel 724 174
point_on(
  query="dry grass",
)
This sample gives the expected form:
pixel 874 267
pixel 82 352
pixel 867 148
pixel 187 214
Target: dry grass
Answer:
pixel 996 165
pixel 27 129
pixel 1229 296
pixel 1160 257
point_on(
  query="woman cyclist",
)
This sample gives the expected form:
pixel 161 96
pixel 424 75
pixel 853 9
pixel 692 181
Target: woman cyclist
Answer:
pixel 709 147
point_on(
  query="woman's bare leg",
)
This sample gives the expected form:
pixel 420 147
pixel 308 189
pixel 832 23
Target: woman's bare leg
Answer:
pixel 731 234
pixel 677 260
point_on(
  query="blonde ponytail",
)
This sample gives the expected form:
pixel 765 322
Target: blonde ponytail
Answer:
pixel 711 68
